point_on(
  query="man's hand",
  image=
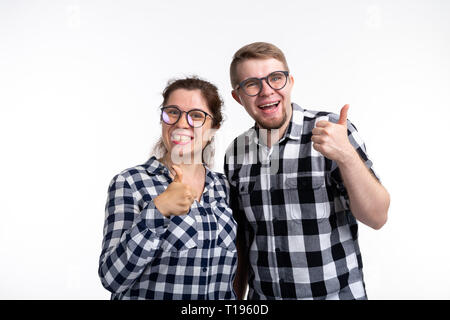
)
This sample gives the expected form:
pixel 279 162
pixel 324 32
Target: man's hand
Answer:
pixel 177 198
pixel 369 200
pixel 331 139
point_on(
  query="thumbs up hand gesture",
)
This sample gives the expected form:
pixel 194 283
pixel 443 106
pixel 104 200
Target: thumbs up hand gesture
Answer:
pixel 331 139
pixel 177 198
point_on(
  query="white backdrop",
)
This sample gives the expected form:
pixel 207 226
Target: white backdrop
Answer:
pixel 80 87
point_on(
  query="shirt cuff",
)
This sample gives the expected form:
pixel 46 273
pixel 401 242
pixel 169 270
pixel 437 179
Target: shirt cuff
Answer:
pixel 153 219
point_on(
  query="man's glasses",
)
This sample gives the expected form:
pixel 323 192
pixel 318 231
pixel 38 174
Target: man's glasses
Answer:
pixel 195 117
pixel 253 86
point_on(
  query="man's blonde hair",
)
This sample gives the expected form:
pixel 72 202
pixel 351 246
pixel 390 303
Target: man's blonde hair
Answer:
pixel 256 50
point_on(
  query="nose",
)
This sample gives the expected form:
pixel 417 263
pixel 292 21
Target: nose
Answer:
pixel 266 90
pixel 182 122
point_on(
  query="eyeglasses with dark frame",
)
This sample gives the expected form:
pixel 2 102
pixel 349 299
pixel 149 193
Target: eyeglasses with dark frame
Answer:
pixel 253 86
pixel 196 118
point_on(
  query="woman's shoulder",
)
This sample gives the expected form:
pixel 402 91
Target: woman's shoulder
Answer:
pixel 219 179
pixel 148 170
pixel 216 174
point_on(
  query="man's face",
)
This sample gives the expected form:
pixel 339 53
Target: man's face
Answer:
pixel 271 109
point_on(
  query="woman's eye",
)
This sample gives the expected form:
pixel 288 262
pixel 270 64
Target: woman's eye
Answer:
pixel 196 115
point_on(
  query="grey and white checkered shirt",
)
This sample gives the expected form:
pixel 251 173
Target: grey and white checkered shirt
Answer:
pixel 148 256
pixel 301 237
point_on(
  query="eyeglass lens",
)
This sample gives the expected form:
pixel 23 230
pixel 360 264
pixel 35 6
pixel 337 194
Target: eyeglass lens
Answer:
pixel 195 118
pixel 276 80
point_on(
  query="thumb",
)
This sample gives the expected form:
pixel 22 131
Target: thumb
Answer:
pixel 178 174
pixel 193 193
pixel 343 116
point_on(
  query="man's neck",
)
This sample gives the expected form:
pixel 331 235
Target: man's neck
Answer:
pixel 270 137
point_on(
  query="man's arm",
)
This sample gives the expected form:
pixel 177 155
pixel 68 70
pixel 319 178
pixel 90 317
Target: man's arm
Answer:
pixel 369 200
pixel 241 278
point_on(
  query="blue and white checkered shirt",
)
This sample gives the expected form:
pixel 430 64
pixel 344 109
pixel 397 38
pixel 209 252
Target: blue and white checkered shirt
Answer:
pixel 148 256
pixel 301 237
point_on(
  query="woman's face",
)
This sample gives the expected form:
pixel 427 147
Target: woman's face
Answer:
pixel 184 143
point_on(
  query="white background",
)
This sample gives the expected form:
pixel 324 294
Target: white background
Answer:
pixel 80 87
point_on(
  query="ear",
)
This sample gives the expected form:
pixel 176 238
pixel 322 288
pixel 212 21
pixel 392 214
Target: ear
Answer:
pixel 236 97
pixel 291 78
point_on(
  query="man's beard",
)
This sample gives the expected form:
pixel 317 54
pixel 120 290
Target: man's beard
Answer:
pixel 270 125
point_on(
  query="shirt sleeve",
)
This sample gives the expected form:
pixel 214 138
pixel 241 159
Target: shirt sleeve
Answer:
pixel 238 212
pixel 131 236
pixel 360 147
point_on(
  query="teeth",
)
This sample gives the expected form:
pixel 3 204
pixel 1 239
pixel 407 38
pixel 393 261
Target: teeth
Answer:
pixel 269 104
pixel 180 138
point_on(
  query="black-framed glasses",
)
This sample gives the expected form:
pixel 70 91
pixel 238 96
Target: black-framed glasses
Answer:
pixel 253 86
pixel 195 117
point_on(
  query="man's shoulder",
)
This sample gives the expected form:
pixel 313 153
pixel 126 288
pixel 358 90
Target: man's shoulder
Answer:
pixel 244 137
pixel 238 150
pixel 312 115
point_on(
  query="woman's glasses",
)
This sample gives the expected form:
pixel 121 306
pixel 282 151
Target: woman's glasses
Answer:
pixel 195 117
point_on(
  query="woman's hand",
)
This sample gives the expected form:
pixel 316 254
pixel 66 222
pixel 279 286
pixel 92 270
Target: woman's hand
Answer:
pixel 177 198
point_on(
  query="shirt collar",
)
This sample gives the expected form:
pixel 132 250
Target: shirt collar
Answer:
pixel 154 167
pixel 294 130
pixel 211 178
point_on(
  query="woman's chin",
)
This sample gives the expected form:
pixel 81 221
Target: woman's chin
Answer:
pixel 185 154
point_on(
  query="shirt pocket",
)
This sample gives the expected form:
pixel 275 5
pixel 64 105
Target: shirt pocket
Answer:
pixel 181 234
pixel 250 200
pixel 307 197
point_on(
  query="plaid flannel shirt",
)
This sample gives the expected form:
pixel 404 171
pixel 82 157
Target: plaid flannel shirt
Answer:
pixel 301 238
pixel 148 256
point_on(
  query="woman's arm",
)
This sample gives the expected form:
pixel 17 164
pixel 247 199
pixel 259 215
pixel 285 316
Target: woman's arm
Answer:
pixel 130 238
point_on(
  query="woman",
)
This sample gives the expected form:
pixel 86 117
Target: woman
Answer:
pixel 169 232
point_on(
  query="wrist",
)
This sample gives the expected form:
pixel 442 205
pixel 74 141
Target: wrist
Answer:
pixel 348 158
pixel 159 204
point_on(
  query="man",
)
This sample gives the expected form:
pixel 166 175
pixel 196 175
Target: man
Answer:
pixel 300 180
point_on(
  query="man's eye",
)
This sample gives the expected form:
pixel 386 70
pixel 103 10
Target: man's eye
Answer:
pixel 250 84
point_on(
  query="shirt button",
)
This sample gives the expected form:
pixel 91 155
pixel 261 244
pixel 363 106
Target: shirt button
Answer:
pixel 204 269
pixel 277 249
